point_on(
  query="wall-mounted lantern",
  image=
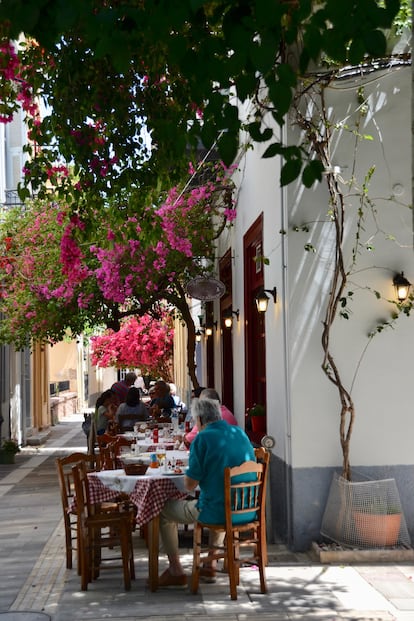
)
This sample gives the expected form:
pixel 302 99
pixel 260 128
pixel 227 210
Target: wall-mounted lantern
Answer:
pixel 262 300
pixel 228 317
pixel 209 327
pixel 402 287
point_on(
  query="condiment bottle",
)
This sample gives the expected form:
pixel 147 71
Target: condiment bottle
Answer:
pixel 155 435
pixel 154 463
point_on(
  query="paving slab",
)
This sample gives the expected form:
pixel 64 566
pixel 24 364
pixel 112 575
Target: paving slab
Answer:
pixel 34 579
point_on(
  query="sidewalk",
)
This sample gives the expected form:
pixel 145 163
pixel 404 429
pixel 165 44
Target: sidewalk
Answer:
pixel 35 585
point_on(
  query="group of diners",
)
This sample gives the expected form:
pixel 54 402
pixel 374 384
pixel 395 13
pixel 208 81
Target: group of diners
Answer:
pixel 125 398
pixel 216 442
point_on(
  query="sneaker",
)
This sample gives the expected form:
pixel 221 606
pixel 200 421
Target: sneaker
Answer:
pixel 208 575
pixel 167 580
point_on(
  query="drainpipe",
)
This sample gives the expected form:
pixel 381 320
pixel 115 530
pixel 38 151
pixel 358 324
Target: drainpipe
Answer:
pixel 288 420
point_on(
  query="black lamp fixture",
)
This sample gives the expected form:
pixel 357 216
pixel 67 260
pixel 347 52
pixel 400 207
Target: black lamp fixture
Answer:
pixel 199 334
pixel 209 327
pixel 262 300
pixel 402 287
pixel 228 317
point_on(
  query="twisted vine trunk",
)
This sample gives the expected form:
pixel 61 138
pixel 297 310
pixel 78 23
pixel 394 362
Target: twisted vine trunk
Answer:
pixel 320 142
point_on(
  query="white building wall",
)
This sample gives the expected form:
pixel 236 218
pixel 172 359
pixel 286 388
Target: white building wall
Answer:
pixel 303 406
pixel 381 389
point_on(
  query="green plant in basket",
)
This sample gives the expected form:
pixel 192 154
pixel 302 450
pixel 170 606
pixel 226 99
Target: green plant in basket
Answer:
pixel 10 446
pixel 379 506
pixel 257 410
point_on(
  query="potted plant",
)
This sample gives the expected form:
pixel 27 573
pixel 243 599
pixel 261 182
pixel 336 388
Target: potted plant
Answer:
pixel 257 416
pixel 378 523
pixel 8 450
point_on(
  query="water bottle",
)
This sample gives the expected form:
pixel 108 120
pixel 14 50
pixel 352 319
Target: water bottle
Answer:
pixel 175 421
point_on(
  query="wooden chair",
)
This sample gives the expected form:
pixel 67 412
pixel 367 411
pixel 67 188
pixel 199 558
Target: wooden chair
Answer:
pixel 263 457
pixel 109 456
pixel 101 529
pixel 239 499
pixel 64 467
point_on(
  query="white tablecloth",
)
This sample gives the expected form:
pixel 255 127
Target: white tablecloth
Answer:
pixel 118 481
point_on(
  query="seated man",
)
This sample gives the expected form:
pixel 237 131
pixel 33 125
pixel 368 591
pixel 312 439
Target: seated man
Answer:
pixel 217 446
pixel 162 403
pixel 121 388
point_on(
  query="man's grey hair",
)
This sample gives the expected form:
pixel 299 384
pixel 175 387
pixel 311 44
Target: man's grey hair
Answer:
pixel 210 393
pixel 207 410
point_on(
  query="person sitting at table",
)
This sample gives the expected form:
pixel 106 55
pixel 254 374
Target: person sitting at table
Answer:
pixel 106 407
pixel 133 405
pixel 103 418
pixel 210 393
pixel 177 399
pixel 121 388
pixel 162 403
pixel 217 446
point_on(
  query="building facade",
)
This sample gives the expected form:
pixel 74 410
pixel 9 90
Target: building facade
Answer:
pixel 283 238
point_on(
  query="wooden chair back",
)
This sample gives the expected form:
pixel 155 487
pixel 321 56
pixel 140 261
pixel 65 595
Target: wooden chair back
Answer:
pixel 109 456
pixel 245 526
pixel 263 457
pixel 64 467
pixel 99 529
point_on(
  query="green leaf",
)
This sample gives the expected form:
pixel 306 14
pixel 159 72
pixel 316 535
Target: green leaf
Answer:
pixel 246 85
pixel 290 171
pixel 312 172
pixel 375 42
pixel 255 132
pixel 274 149
pixel 356 51
pixel 286 75
pixel 228 146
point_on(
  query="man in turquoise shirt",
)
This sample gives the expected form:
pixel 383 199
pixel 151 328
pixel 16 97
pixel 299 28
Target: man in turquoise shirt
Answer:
pixel 217 446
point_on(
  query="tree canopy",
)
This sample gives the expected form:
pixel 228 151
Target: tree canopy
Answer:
pixel 132 85
pixel 119 95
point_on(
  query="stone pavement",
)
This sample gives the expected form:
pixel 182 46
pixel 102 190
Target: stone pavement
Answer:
pixel 35 585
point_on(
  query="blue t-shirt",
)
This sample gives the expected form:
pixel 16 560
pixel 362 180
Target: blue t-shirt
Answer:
pixel 218 446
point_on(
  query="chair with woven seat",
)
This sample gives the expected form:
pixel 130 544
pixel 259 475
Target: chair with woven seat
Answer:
pixel 64 467
pixel 242 500
pixel 100 529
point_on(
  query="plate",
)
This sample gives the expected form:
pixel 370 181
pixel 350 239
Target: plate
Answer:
pixel 173 474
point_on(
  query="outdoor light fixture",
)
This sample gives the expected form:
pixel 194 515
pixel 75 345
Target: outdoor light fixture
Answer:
pixel 198 336
pixel 402 287
pixel 228 317
pixel 262 300
pixel 209 328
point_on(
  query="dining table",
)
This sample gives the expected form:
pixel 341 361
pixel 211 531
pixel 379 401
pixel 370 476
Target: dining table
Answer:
pixel 148 492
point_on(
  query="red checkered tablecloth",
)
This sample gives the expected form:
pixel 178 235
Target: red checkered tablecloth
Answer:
pixel 149 495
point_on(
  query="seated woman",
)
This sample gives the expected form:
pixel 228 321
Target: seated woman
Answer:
pixel 105 410
pixel 132 407
pixel 103 419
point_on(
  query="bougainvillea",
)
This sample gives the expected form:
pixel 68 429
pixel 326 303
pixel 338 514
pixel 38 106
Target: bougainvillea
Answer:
pixel 64 272
pixel 141 342
pixel 133 85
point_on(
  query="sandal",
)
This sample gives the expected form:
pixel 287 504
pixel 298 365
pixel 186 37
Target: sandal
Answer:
pixel 167 580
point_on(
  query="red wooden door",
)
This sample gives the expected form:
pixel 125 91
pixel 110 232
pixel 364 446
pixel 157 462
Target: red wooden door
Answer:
pixel 255 351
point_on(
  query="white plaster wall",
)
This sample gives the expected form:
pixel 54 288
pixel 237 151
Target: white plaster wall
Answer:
pixel 303 405
pixel 258 180
pixel 382 390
